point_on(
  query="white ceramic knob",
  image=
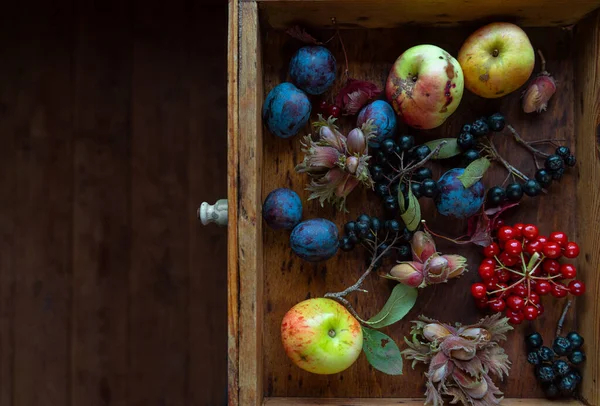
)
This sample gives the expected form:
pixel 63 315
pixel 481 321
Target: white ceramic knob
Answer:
pixel 213 213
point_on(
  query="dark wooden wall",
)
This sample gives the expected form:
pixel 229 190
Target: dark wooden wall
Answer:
pixel 113 131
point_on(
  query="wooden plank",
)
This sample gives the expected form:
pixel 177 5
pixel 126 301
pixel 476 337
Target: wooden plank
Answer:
pixel 159 290
pixel 397 401
pixel 248 200
pixel 208 182
pixel 288 280
pixel 233 270
pixel 587 96
pixel 39 117
pixel 385 14
pixel 101 213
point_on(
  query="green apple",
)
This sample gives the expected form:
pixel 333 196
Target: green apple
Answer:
pixel 321 336
pixel 496 60
pixel 425 86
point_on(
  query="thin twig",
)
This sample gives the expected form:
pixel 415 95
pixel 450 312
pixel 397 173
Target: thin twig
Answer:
pixel 496 155
pixel 561 321
pixel 349 307
pixel 333 21
pixel 542 59
pixel 527 145
pixel 419 164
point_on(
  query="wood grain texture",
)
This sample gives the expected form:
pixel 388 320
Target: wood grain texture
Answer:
pixel 101 212
pixel 386 14
pixel 403 402
pixel 248 201
pixel 233 179
pixel 288 280
pixel 159 279
pixel 39 120
pixel 587 108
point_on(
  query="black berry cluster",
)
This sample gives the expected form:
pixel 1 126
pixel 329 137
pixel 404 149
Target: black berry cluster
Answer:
pixel 557 367
pixel 377 235
pixel 389 158
pixel 468 138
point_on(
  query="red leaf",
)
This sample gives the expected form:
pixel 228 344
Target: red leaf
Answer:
pixel 300 34
pixel 356 94
pixel 481 226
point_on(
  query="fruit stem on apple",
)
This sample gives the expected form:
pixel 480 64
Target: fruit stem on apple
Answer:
pixel 561 321
pixel 404 170
pixel 495 53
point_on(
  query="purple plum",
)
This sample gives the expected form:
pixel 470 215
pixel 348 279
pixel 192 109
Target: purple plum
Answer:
pixel 315 240
pixel 313 69
pixel 456 200
pixel 286 110
pixel 282 209
pixel 384 120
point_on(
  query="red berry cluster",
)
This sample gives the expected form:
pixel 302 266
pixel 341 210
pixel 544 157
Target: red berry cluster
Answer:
pixel 327 109
pixel 522 266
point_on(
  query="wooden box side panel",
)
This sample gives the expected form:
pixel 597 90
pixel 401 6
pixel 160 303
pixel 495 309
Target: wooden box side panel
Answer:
pixel 587 101
pixel 245 223
pixel 398 401
pixel 391 14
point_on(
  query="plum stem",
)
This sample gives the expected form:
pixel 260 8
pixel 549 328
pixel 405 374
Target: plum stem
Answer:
pixel 340 296
pixel 561 321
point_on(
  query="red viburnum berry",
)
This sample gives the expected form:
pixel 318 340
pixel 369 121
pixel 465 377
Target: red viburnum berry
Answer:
pixel 577 288
pixel 559 237
pixel 568 271
pixel 571 250
pixel 530 231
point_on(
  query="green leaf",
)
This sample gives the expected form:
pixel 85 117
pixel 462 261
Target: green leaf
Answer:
pixel 474 172
pixel 382 352
pixel 448 150
pixel 401 300
pixel 411 215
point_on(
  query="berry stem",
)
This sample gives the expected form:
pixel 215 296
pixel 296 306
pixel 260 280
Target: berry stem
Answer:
pixel 455 241
pixel 511 169
pixel 343 47
pixel 534 151
pixel 561 321
pixel 410 168
pixel 508 287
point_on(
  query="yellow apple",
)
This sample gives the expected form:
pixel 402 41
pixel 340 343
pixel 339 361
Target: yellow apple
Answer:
pixel 496 60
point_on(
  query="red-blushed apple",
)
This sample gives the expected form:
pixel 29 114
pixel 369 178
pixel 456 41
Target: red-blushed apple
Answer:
pixel 496 60
pixel 321 336
pixel 425 86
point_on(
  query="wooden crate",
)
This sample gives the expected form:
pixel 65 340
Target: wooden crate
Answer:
pixel 265 279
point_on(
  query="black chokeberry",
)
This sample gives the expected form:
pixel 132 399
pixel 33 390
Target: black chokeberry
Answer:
pixel 546 354
pixel 407 235
pixel 551 391
pixel 465 141
pixel 394 189
pixel 567 385
pixel 422 173
pixel 532 188
pixel 470 155
pixel 533 358
pixel 380 158
pixel 577 357
pixel 556 175
pixel 544 177
pixel 575 375
pixel 534 341
pixel 381 189
pixel 563 151
pixel 390 203
pixel 561 367
pixel 570 160
pixel 350 227
pixel 496 122
pixel 430 188
pixel 420 152
pixel 404 251
pixel 554 163
pixel 480 128
pixel 466 128
pixel 375 224
pixel 365 218
pixel 392 225
pixel 352 237
pixel 377 172
pixel 561 346
pixel 362 229
pixel 496 195
pixel 406 142
pixel 575 339
pixel 416 189
pixel 382 247
pixel 388 145
pixel 514 192
pixel 545 373
pixel 346 244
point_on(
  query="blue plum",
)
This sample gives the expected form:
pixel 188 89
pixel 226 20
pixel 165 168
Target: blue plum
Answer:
pixel 286 110
pixel 315 240
pixel 313 69
pixel 384 120
pixel 282 209
pixel 456 200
